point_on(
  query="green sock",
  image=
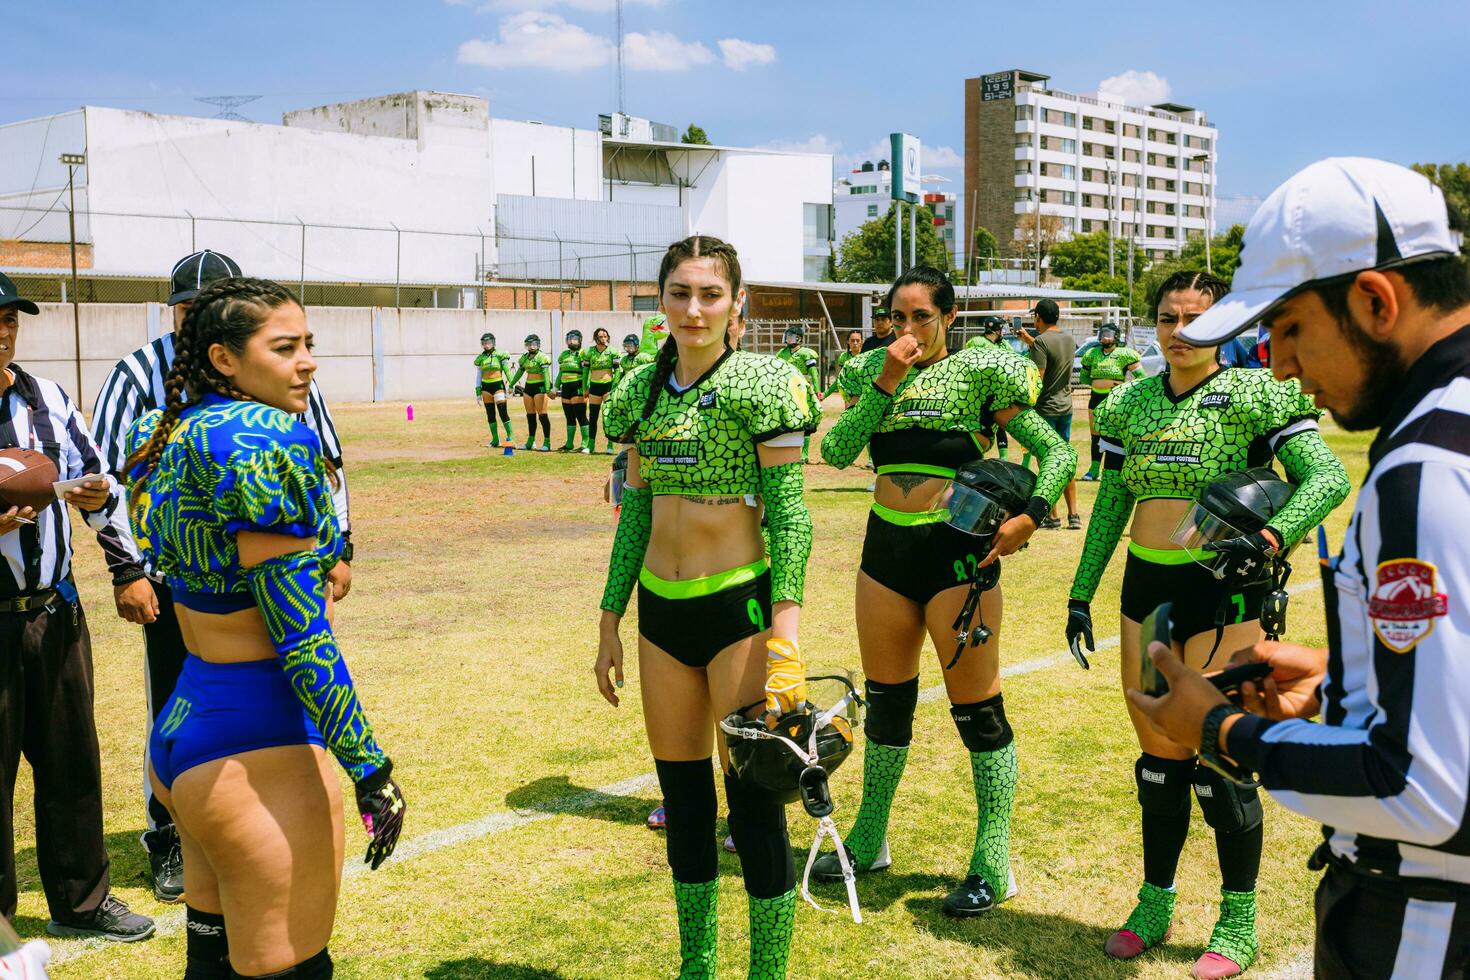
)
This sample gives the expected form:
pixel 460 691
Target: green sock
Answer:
pixel 771 920
pixel 1026 460
pixel 698 933
pixel 1092 470
pixel 1004 452
pixel 1235 930
pixel 882 769
pixel 806 448
pixel 995 774
pixel 508 433
pixel 587 437
pixel 1150 918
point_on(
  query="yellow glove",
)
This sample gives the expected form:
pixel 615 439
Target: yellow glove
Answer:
pixel 785 677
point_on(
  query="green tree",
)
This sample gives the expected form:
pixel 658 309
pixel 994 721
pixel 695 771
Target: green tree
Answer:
pixel 1099 282
pixel 1454 180
pixel 866 255
pixel 1083 255
pixel 1224 259
pixel 694 134
pixel 985 245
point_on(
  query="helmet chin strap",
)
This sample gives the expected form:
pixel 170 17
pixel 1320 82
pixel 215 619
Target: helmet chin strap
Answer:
pixel 985 580
pixel 1273 608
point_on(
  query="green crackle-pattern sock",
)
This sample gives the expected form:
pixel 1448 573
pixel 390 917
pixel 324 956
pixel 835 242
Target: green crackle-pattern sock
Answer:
pixel 1235 930
pixel 995 774
pixel 1150 918
pixel 882 769
pixel 771 921
pixel 698 933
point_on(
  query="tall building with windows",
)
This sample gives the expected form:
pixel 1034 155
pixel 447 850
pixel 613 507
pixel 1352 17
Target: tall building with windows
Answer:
pixel 1031 150
pixel 867 193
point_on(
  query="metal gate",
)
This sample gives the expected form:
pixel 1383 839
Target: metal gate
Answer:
pixel 764 337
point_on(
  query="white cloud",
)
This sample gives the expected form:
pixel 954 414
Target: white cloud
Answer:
pixel 539 40
pixel 942 158
pixel 819 143
pixel 661 51
pixel 597 6
pixel 1134 88
pixel 740 55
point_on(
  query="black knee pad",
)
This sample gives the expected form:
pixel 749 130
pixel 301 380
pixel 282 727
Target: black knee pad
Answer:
pixel 690 810
pixel 983 726
pixel 206 948
pixel 1228 806
pixel 318 967
pixel 1163 784
pixel 504 411
pixel 891 712
pixel 758 824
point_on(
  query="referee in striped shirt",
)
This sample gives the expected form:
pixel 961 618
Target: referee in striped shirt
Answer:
pixel 134 388
pixel 1353 268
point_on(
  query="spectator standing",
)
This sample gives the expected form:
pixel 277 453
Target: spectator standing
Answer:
pixel 883 334
pixel 1053 351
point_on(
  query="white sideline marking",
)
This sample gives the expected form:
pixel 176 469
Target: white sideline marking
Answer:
pixel 172 921
pixel 1299 967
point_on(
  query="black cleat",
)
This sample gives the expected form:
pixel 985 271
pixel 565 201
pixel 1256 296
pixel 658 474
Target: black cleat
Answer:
pixel 165 864
pixel 112 920
pixel 974 896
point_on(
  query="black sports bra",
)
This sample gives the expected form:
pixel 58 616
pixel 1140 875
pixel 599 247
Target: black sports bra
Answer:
pixel 926 451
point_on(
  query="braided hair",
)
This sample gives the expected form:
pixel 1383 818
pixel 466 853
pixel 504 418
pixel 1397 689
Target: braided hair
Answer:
pixel 228 312
pixel 693 247
pixel 1188 281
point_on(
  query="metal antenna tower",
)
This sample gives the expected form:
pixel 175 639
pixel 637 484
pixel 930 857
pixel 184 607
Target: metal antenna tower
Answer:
pixel 622 76
pixel 228 104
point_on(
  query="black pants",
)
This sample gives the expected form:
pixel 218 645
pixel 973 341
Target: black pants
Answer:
pixel 46 715
pixel 164 653
pixel 1370 929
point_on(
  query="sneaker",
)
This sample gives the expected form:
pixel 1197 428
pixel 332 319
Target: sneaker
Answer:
pixel 111 921
pixel 828 868
pixel 1074 522
pixel 492 444
pixel 974 896
pixel 730 844
pixel 165 864
pixel 657 820
pixel 584 451
pixel 1088 477
pixel 1050 523
pixel 545 447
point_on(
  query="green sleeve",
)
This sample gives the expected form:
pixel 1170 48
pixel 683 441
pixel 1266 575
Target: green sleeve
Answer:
pixel 1137 363
pixel 1057 459
pixel 1104 528
pixel 630 544
pixel 814 370
pixel 480 359
pixel 618 408
pixel 1085 377
pixel 789 535
pixel 1321 481
pixel 781 401
pixel 845 440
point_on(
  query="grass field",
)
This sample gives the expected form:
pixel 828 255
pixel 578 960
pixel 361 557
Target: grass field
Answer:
pixel 471 632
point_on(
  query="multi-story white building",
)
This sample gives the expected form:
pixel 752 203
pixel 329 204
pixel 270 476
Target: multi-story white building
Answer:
pixel 1029 149
pixel 867 193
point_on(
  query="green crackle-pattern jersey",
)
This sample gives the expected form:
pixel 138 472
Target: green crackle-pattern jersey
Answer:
pixel 945 413
pixel 1114 365
pixel 805 361
pixel 982 344
pixel 1156 444
pixel 842 362
pixel 535 367
pixel 604 361
pixel 703 440
pixel 569 367
pixel 628 362
pixel 494 366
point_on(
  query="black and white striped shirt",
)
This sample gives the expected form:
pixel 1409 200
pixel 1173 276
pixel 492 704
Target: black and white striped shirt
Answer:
pixel 135 388
pixel 37 414
pixel 1388 770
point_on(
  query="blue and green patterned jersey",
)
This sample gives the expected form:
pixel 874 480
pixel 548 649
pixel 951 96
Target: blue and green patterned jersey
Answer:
pixel 600 365
pixel 536 368
pixel 1109 365
pixel 494 366
pixel 569 367
pixel 1157 444
pixel 982 344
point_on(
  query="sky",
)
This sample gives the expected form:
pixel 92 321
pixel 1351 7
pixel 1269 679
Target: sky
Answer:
pixel 1285 82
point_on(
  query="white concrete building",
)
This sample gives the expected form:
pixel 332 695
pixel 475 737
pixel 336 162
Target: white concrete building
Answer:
pixel 867 193
pixel 402 188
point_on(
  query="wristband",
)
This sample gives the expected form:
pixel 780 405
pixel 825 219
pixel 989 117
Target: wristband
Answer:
pixel 128 577
pixel 346 555
pixel 1209 744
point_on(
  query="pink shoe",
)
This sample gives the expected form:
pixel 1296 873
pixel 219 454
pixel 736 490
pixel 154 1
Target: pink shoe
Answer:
pixel 730 844
pixel 1214 966
pixel 657 820
pixel 1125 944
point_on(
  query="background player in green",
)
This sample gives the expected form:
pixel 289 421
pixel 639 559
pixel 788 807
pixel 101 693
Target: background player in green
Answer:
pixel 535 367
pixel 600 364
pixel 924 412
pixel 494 368
pixel 1163 440
pixel 854 348
pixel 991 328
pixel 633 356
pixel 571 389
pixel 807 364
pixel 1104 367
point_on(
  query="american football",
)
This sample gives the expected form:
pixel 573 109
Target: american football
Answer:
pixel 26 477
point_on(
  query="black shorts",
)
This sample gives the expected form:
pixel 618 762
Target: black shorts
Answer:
pixel 1196 594
pixel 491 387
pixel 695 628
pixel 599 388
pixel 919 561
pixel 1096 398
pixel 534 388
pixel 570 390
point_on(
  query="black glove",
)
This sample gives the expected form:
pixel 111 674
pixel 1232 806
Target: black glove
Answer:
pixel 520 390
pixel 1244 559
pixel 381 805
pixel 1079 630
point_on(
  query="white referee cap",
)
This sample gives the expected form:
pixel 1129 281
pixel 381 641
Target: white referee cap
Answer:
pixel 1336 218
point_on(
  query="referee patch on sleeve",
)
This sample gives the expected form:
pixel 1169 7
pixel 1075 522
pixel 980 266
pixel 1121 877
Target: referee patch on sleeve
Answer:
pixel 1405 603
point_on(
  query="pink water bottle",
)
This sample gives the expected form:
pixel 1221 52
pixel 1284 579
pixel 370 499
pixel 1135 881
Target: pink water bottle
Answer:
pixel 410 411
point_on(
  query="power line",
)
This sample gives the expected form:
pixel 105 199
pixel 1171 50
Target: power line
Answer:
pixel 228 104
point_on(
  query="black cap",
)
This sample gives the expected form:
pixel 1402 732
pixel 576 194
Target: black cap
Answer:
pixel 193 272
pixel 1046 310
pixel 10 296
pixel 881 311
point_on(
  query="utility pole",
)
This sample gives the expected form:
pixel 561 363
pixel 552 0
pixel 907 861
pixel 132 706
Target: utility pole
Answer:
pixel 1209 211
pixel 1109 172
pixel 913 235
pixel 897 239
pixel 73 161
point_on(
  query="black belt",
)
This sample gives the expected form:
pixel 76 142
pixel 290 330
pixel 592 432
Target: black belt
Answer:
pixel 27 603
pixel 1424 889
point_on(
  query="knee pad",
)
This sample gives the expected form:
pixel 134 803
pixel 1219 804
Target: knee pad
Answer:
pixel 690 810
pixel 206 947
pixel 891 711
pixel 1163 784
pixel 983 726
pixel 318 967
pixel 1228 806
pixel 758 824
pixel 504 410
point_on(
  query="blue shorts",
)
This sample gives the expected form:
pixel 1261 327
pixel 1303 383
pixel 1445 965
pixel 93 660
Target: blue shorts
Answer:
pixel 225 709
pixel 1062 423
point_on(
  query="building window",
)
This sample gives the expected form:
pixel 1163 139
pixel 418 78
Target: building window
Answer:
pixel 1069 197
pixel 816 225
pixel 1130 130
pixel 1025 113
pixel 1023 193
pixel 1130 156
pixel 949 233
pixel 814 268
pixel 1023 166
pixel 872 210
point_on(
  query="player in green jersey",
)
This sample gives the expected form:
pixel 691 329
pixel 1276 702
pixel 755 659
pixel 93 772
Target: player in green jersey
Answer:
pixel 805 360
pixel 535 367
pixel 992 328
pixel 1164 439
pixel 600 368
pixel 494 368
pixel 925 412
pixel 715 437
pixel 633 356
pixel 571 389
pixel 854 348
pixel 1104 367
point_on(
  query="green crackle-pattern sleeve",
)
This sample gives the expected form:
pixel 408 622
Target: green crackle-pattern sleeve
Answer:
pixel 1104 529
pixel 789 540
pixel 630 544
pixel 1058 460
pixel 1322 484
pixel 845 440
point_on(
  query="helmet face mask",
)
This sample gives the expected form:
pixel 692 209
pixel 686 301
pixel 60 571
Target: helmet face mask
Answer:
pixel 533 343
pixel 574 339
pixel 1233 506
pixel 792 337
pixel 983 495
pixel 631 343
pixel 1107 335
pixel 487 341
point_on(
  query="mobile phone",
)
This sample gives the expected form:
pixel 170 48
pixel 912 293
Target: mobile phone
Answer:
pixel 1158 627
pixel 1229 680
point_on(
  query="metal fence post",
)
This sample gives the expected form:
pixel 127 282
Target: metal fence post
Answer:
pixel 302 294
pixel 397 267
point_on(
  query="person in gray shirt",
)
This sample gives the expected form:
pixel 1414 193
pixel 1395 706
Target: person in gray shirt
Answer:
pixel 1053 352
